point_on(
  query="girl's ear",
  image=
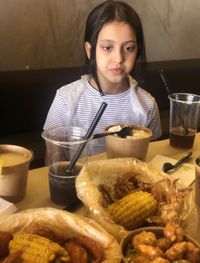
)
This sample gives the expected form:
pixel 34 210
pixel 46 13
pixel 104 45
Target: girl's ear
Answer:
pixel 88 49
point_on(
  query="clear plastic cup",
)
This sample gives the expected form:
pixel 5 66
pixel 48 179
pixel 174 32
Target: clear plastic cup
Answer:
pixel 184 119
pixel 61 145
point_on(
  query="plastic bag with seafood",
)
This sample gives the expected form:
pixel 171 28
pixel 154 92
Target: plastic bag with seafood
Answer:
pixel 123 180
pixel 60 226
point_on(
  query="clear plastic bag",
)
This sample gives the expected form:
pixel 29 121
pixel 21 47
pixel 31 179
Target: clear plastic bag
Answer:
pixel 175 202
pixel 64 225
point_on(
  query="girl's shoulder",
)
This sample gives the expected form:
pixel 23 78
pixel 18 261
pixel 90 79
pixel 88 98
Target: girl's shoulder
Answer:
pixel 136 88
pixel 74 87
pixel 140 93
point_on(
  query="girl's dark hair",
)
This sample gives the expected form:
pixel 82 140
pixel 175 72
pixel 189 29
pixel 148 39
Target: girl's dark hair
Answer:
pixel 104 13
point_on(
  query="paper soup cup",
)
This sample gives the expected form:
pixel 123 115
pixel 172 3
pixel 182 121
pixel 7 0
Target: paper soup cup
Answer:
pixel 135 145
pixel 15 162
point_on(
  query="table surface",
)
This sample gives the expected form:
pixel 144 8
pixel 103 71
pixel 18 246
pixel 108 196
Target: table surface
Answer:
pixel 38 189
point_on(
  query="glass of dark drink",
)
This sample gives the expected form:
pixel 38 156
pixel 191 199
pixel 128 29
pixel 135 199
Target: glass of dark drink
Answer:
pixel 184 119
pixel 61 145
pixel 197 180
pixel 62 187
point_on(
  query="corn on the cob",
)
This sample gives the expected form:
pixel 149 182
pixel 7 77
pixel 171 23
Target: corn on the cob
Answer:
pixel 37 249
pixel 132 210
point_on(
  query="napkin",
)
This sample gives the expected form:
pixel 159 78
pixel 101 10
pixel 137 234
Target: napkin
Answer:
pixel 6 207
pixel 185 172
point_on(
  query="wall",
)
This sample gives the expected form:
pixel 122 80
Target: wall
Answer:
pixel 48 33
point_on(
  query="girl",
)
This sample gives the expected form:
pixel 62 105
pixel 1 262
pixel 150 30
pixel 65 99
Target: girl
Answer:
pixel 114 42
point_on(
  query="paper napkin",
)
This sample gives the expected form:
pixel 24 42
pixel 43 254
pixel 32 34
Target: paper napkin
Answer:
pixel 185 173
pixel 6 207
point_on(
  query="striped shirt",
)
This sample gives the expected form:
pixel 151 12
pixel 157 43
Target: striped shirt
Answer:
pixel 77 103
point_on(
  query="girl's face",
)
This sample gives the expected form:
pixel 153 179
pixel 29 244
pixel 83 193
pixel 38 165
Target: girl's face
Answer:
pixel 116 52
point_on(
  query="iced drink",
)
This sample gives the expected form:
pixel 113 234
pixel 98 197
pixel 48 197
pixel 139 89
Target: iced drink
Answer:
pixel 184 119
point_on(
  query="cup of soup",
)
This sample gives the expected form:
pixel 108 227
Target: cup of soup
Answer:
pixel 134 145
pixel 14 166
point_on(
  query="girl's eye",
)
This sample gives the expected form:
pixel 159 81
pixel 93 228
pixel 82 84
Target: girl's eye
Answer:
pixel 107 48
pixel 129 49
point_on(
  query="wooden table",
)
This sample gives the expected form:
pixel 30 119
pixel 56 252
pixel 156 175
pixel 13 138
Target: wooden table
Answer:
pixel 38 188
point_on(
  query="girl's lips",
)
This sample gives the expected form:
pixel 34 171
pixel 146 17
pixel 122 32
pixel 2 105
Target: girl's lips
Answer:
pixel 116 71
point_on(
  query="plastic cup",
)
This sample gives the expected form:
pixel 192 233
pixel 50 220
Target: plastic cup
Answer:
pixel 197 180
pixel 184 119
pixel 15 162
pixel 133 146
pixel 61 145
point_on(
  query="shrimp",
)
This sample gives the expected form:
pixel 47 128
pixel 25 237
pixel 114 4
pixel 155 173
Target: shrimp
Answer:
pixel 176 251
pixel 145 237
pixel 160 260
pixel 184 249
pixel 193 253
pixel 150 252
pixel 173 232
pixel 163 243
pixel 139 259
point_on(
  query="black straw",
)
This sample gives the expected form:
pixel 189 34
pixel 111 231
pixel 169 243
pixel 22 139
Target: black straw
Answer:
pixel 169 92
pixel 87 136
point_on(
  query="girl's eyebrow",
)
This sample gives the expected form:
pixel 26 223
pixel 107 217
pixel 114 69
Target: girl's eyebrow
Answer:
pixel 111 41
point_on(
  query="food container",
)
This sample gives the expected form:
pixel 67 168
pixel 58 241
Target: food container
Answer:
pixel 15 162
pixel 62 225
pixel 158 231
pixel 134 145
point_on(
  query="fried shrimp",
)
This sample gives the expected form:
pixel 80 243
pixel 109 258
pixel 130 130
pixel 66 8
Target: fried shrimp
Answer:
pixel 163 243
pixel 93 247
pixel 76 252
pixel 173 232
pixel 13 258
pixel 162 246
pixel 139 259
pixel 145 237
pixel 150 252
pixel 193 253
pixel 160 260
pixel 182 250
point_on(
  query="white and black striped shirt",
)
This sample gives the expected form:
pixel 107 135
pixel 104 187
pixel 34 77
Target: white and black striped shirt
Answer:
pixel 77 103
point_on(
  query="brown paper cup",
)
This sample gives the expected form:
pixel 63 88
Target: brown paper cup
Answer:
pixel 128 147
pixel 13 178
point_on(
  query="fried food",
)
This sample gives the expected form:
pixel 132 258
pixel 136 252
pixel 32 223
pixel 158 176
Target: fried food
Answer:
pixel 173 232
pixel 13 258
pixel 94 249
pixel 150 252
pixel 5 238
pixel 169 245
pixel 145 237
pixel 76 252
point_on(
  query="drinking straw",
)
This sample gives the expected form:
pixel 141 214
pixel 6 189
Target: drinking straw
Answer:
pixel 169 92
pixel 87 136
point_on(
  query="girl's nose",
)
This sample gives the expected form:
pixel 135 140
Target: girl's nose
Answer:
pixel 118 56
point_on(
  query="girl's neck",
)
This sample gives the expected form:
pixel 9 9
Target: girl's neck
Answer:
pixel 112 88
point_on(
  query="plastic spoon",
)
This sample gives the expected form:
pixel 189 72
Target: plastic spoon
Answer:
pixel 123 133
pixel 167 167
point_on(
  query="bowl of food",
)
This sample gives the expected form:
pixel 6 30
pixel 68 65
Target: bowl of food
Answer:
pixel 14 164
pixel 160 244
pixel 53 235
pixel 135 144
